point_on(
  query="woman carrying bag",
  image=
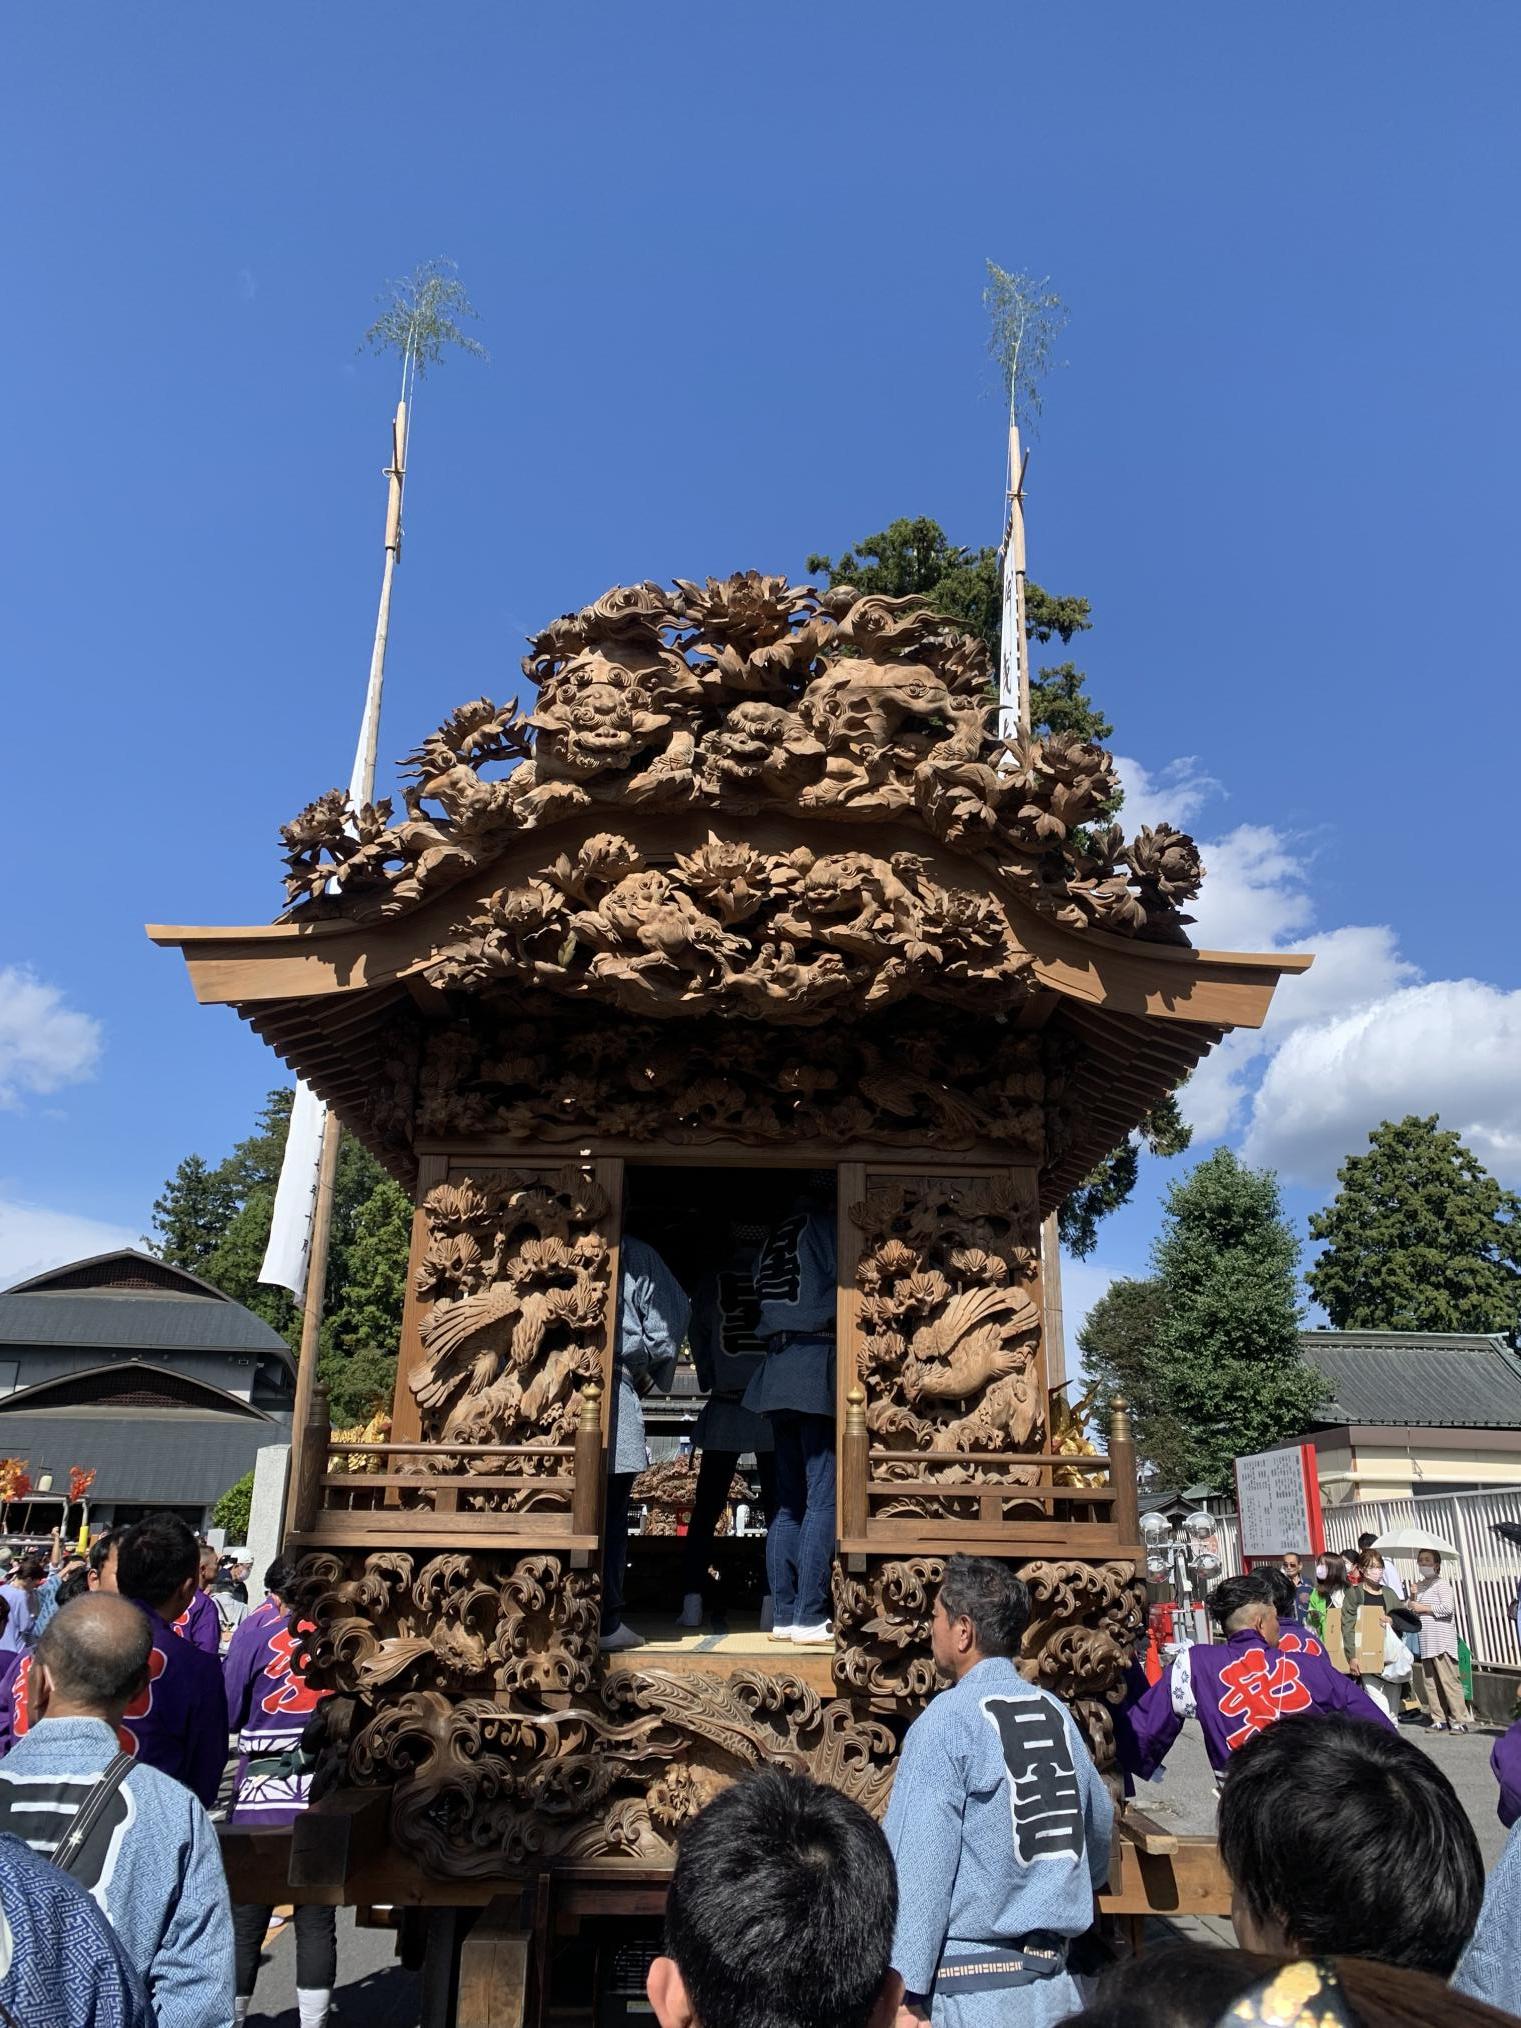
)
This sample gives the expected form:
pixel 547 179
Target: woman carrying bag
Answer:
pixel 1372 1594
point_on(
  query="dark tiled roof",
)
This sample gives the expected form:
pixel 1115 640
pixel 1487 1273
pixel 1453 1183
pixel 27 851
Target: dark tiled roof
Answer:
pixel 179 1458
pixel 1431 1380
pixel 136 1323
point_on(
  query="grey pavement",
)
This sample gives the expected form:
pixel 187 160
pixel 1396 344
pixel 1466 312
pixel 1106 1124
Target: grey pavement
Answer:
pixel 373 1990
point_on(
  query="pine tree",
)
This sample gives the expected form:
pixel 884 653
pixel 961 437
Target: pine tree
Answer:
pixel 189 1218
pixel 1420 1237
pixel 1227 1370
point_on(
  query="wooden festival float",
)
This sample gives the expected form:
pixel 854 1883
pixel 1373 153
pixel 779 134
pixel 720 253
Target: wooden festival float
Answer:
pixel 753 888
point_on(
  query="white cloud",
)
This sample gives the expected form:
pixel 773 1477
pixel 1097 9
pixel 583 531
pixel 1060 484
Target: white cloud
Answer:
pixel 248 284
pixel 43 1043
pixel 34 1237
pixel 1451 1046
pixel 1359 1038
pixel 1174 795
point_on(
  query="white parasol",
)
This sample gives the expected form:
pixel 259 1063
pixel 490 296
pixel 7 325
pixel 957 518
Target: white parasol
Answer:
pixel 1410 1541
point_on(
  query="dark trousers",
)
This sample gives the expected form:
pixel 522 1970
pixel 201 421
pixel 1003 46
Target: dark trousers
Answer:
pixel 615 1547
pixel 316 1945
pixel 800 1544
pixel 715 1475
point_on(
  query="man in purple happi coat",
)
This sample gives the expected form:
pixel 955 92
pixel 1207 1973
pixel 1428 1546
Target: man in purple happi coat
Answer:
pixel 179 1723
pixel 1505 1765
pixel 1237 1687
pixel 200 1623
pixel 271 1706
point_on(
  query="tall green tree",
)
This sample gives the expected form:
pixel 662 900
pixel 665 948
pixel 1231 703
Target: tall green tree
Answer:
pixel 1226 1366
pixel 1419 1237
pixel 915 558
pixel 192 1214
pixel 1118 1341
pixel 367 1258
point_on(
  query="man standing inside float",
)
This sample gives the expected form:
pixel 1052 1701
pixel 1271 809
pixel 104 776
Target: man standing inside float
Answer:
pixel 727 1350
pixel 794 1390
pixel 652 1322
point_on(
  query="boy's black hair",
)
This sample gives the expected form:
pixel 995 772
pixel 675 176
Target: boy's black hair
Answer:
pixel 782 1907
pixel 1285 1592
pixel 100 1548
pixel 156 1555
pixel 75 1585
pixel 992 1596
pixel 1354 1841
pixel 279 1577
pixel 1232 1593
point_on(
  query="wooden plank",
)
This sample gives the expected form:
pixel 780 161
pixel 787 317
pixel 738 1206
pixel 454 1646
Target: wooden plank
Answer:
pixel 257 1864
pixel 384 1527
pixel 494 1963
pixel 327 1839
pixel 1146 1832
pixel 1013 1538
pixel 1190 1881
pixel 454 1484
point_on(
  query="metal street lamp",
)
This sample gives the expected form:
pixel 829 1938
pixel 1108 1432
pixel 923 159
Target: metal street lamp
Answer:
pixel 1184 1557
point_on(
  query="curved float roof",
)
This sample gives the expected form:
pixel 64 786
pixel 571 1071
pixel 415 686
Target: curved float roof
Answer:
pixel 754 801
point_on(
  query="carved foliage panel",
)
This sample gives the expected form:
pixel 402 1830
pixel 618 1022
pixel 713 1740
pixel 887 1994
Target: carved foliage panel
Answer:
pixel 903 1077
pixel 394 1623
pixel 948 1327
pixel 742 695
pixel 1085 1619
pixel 517 1269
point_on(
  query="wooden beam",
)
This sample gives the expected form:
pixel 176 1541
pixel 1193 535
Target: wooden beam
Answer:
pixel 494 1964
pixel 328 1840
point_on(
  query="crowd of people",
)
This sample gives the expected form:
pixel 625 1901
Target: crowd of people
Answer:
pixel 1359 1891
pixel 116 1707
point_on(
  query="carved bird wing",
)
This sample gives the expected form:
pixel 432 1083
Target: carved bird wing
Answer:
pixel 433 1381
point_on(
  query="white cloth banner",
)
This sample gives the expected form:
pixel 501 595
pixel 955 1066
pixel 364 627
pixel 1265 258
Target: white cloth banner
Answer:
pixel 290 1232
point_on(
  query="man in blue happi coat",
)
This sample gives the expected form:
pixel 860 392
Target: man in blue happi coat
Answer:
pixel 652 1322
pixel 999 1823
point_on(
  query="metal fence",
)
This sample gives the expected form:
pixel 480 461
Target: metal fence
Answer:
pixel 1487 1577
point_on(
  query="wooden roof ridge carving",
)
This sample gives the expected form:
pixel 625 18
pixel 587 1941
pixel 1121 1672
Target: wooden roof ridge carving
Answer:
pixel 749 695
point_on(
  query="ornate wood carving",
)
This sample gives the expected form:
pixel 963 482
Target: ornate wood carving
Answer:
pixel 468 1625
pixel 1084 1622
pixel 482 1787
pixel 740 695
pixel 949 1333
pixel 516 1269
pixel 503 1071
pixel 667 1490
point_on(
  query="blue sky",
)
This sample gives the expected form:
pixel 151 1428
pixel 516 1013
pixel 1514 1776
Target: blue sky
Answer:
pixel 728 261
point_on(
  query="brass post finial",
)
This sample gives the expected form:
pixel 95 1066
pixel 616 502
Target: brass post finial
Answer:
pixel 855 1407
pixel 1119 1417
pixel 591 1406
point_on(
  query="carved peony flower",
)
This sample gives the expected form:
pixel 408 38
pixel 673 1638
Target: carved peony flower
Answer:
pixel 733 878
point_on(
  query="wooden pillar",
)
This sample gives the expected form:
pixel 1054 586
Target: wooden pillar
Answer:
pixel 1122 1473
pixel 854 1466
pixel 1053 1324
pixel 587 1489
pixel 310 1462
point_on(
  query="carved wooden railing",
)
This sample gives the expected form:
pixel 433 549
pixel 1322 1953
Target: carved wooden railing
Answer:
pixel 352 1494
pixel 1018 1503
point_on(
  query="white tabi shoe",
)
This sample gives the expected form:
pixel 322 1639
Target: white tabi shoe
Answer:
pixel 821 1636
pixel 691 1610
pixel 622 1636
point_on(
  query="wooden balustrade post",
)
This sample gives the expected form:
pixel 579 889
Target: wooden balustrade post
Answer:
pixel 854 1466
pixel 1126 1511
pixel 311 1462
pixel 588 1476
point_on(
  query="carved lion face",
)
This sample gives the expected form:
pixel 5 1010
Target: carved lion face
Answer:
pixel 866 705
pixel 594 717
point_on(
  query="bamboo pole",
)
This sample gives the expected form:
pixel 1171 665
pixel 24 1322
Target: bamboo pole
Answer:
pixel 361 790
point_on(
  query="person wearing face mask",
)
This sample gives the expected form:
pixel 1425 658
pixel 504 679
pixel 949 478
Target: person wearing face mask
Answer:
pixel 1323 1613
pixel 1433 1601
pixel 1371 1591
